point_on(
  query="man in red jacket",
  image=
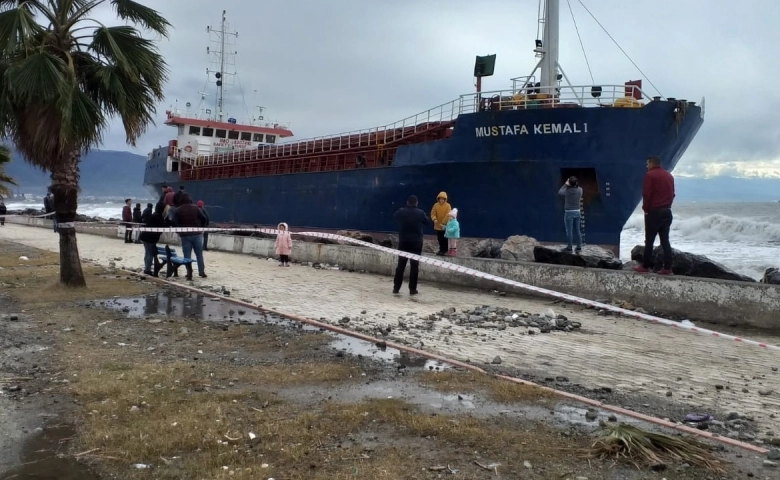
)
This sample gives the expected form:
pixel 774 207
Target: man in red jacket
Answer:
pixel 127 217
pixel 657 198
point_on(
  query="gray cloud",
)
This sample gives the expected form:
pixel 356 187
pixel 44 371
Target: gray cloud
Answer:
pixel 328 67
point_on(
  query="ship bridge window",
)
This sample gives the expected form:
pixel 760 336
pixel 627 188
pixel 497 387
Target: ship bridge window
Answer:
pixel 270 138
pixel 208 132
pixel 257 137
pixel 586 178
pixel 221 133
pixel 233 135
pixel 246 136
pixel 194 130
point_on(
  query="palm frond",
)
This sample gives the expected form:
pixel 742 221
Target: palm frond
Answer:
pixel 39 78
pixel 147 17
pixel 124 47
pixel 17 27
pixel 5 157
pixel 642 447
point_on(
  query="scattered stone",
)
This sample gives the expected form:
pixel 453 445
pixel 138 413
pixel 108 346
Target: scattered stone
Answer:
pixel 591 415
pixel 765 392
pixel 774 454
pixel 770 464
pixel 496 360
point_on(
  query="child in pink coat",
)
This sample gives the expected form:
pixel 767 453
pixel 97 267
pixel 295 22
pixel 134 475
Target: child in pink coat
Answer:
pixel 283 245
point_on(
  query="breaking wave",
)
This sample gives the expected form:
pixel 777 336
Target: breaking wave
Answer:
pixel 716 228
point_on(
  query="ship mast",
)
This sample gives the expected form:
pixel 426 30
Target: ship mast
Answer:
pixel 222 58
pixel 549 63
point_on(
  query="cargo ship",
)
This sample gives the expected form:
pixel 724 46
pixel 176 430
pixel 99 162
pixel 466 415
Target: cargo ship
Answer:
pixel 500 155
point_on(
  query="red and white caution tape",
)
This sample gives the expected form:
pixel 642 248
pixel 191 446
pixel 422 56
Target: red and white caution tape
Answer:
pixel 466 271
pixel 487 276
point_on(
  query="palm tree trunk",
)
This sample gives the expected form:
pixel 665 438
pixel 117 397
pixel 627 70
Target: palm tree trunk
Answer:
pixel 65 187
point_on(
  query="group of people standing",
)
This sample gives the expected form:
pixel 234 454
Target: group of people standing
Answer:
pixel 172 210
pixel 657 198
pixel 411 222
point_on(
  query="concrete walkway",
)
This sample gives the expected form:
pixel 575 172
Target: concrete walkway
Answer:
pixel 629 356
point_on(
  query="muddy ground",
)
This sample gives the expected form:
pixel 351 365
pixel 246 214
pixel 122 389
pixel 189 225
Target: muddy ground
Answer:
pixel 128 379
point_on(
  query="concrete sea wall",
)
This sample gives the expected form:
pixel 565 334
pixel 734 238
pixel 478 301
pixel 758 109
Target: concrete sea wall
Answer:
pixel 714 301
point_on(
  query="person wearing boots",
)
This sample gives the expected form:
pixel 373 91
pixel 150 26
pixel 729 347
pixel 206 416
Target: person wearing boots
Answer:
pixel 452 232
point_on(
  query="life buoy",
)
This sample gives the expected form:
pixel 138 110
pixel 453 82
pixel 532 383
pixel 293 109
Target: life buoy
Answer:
pixel 188 149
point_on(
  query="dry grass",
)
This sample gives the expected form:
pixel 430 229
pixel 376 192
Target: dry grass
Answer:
pixel 37 279
pixel 501 391
pixel 188 424
pixel 643 448
pixel 192 418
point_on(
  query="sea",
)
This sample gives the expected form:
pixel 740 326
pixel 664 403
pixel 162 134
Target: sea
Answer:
pixel 744 237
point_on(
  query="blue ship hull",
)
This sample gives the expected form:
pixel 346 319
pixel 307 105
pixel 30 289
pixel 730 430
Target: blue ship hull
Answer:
pixel 501 169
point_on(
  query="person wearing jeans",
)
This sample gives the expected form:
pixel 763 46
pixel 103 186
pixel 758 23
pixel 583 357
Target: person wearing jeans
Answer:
pixel 657 197
pixel 188 215
pixel 572 194
pixel 190 243
pixel 150 239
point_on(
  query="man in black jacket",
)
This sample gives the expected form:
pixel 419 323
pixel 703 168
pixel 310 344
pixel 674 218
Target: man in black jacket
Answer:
pixel 410 239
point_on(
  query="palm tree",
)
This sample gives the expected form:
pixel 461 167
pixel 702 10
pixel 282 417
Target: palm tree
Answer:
pixel 5 157
pixel 63 76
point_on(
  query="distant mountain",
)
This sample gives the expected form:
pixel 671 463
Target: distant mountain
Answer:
pixel 727 189
pixel 104 173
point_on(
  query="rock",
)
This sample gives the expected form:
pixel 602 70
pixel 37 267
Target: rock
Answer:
pixel 518 248
pixel 496 360
pixel 591 415
pixel 773 454
pixel 591 257
pixel 488 248
pixel 390 241
pixel 691 265
pixel 770 463
pixel 765 392
pixel 354 234
pixel 771 276
pixel 629 266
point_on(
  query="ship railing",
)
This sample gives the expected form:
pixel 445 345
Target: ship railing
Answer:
pixel 377 137
pixel 551 97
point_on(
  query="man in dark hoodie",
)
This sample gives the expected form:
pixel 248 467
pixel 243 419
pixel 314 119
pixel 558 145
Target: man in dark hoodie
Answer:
pixel 148 211
pixel 3 211
pixel 150 239
pixel 137 220
pixel 177 196
pixel 127 218
pixel 411 221
pixel 188 215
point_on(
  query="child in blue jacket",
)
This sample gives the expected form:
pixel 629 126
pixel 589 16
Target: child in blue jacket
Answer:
pixel 452 232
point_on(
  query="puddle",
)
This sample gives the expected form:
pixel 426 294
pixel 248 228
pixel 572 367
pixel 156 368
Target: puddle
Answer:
pixel 40 458
pixel 205 308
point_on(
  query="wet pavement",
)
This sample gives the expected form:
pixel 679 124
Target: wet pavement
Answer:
pixel 195 306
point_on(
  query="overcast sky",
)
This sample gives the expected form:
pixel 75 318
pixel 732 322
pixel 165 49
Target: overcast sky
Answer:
pixel 338 65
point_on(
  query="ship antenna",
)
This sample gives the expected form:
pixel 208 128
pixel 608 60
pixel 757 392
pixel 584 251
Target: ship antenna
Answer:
pixel 222 58
pixel 550 38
